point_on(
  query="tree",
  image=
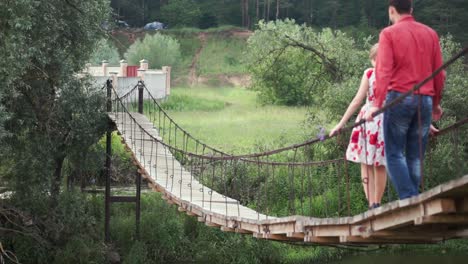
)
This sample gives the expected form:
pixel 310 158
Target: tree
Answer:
pixel 277 8
pixel 181 13
pixel 52 111
pixel 293 64
pixel 105 50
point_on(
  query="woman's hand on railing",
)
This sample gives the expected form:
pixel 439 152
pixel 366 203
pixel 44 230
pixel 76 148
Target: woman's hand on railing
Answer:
pixel 336 129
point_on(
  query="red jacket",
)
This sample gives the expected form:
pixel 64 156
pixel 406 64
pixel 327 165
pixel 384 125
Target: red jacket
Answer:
pixel 408 53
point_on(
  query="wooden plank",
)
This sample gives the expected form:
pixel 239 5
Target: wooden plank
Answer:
pixel 363 230
pixel 254 228
pixel 388 240
pixel 462 205
pixel 191 213
pixel 282 228
pixel 408 215
pixel 242 231
pixel 442 219
pixel 398 218
pixel 443 205
pixel 330 231
pixel 227 229
pixel 461 233
pixel 322 240
pixel 296 235
pixel 210 224
pixel 271 236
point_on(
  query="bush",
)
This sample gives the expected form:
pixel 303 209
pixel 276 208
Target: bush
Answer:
pixel 68 233
pixel 293 64
pixel 160 50
pixel 104 50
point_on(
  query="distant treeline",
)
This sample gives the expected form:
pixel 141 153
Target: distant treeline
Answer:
pixel 445 16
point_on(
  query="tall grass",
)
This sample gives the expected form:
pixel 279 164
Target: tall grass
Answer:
pixel 242 124
pixel 183 102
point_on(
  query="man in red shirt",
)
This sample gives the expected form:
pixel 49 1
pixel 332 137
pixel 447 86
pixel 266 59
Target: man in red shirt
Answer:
pixel 408 53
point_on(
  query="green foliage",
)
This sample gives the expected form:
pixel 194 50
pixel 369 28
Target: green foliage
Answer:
pixel 208 20
pixel 222 55
pixel 54 114
pixel 449 151
pixel 181 13
pixel 170 237
pixel 160 50
pixel 105 51
pixel 138 254
pixel 54 238
pixel 293 64
pixel 80 250
pixel 455 92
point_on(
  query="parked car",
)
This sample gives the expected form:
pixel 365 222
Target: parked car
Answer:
pixel 122 24
pixel 154 26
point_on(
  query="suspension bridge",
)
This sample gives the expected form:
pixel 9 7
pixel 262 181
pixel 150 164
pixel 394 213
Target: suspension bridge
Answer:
pixel 311 201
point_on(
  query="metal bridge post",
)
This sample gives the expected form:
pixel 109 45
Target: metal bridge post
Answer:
pixel 108 162
pixel 137 206
pixel 140 97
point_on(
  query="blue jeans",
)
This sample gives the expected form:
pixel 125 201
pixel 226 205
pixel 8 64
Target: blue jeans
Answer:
pixel 401 135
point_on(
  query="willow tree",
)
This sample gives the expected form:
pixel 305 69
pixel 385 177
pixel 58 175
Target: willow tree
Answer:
pixel 52 111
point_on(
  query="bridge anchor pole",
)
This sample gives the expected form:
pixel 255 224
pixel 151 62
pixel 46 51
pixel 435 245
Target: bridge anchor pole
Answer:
pixel 140 97
pixel 108 162
pixel 109 199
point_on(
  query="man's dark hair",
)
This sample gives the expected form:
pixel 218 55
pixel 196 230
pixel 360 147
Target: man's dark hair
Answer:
pixel 401 6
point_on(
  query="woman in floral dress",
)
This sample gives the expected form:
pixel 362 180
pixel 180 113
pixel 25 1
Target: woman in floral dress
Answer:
pixel 366 145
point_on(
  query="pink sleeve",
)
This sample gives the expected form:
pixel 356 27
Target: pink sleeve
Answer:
pixel 384 68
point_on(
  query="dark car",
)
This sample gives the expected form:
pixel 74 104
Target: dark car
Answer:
pixel 122 24
pixel 154 26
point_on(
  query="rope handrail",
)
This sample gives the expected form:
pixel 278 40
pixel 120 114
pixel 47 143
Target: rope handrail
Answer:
pixel 219 158
pixel 129 92
pixel 177 125
pixel 267 153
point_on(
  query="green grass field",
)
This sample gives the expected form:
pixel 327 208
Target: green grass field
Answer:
pixel 242 124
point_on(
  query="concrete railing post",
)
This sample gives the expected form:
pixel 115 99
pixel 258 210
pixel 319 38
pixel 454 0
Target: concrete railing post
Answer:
pixel 104 68
pixel 123 68
pixel 167 71
pixel 144 64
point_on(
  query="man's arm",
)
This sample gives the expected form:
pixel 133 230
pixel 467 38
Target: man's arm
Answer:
pixel 439 79
pixel 384 68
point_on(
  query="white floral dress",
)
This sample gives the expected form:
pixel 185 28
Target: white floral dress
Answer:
pixel 366 144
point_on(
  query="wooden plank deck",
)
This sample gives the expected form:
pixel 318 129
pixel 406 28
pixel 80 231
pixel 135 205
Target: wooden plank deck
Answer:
pixel 433 216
